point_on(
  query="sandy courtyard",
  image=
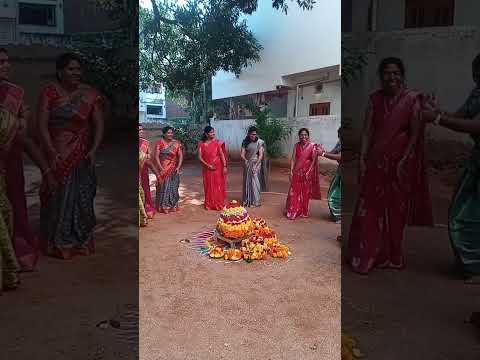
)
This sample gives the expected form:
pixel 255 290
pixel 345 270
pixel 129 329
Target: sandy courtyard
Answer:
pixel 194 308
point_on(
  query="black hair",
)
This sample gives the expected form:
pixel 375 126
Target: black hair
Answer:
pixel 247 140
pixel 3 50
pixel 302 130
pixel 205 132
pixel 391 61
pixel 167 129
pixel 64 60
pixel 476 63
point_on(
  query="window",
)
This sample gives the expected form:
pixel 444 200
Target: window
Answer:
pixel 36 14
pixel 320 109
pixel 429 13
pixel 155 110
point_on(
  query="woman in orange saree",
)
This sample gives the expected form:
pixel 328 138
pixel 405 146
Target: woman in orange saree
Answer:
pixel 169 160
pixel 394 186
pixel 212 153
pixel 144 146
pixel 70 119
pixel 304 177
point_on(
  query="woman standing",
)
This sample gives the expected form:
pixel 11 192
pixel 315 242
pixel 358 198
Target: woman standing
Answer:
pixel 212 153
pixel 144 146
pixel 394 187
pixel 142 163
pixel 71 126
pixel 169 160
pixel 304 176
pixel 335 189
pixel 464 213
pixel 255 170
pixel 12 114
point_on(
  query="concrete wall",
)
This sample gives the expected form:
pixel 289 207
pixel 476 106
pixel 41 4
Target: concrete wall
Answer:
pixel 436 60
pixel 323 130
pixel 293 43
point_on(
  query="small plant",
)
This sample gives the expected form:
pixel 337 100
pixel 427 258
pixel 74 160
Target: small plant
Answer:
pixel 271 129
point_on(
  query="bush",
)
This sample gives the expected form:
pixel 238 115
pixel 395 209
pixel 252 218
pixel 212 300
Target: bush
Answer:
pixel 189 135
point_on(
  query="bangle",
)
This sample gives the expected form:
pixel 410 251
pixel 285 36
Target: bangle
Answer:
pixel 438 119
pixel 323 154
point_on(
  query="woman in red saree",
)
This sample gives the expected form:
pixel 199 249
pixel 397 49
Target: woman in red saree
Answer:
pixel 70 119
pixel 212 153
pixel 169 160
pixel 394 186
pixel 304 177
pixel 144 146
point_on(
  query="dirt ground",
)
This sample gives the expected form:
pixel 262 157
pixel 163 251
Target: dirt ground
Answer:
pixel 420 312
pixel 54 313
pixel 193 308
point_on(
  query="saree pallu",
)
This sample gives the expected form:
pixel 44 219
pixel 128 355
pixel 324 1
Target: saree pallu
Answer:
pixel 335 196
pixel 25 242
pixel 168 182
pixel 11 99
pixel 214 181
pixel 303 187
pixel 386 204
pixel 464 214
pixel 254 182
pixel 145 181
pixel 67 214
pixel 142 213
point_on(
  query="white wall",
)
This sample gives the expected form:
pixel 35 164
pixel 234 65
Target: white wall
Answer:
pixel 332 92
pixel 293 43
pixel 323 130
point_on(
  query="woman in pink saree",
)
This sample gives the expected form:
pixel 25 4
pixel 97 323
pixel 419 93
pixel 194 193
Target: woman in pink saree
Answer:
pixel 304 177
pixel 144 146
pixel 213 155
pixel 394 186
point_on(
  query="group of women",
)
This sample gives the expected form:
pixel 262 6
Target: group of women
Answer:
pixel 167 160
pixel 394 185
pixel 69 121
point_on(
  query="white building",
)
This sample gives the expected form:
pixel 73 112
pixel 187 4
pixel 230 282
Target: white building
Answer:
pixel 436 39
pixel 152 106
pixel 298 75
pixel 30 16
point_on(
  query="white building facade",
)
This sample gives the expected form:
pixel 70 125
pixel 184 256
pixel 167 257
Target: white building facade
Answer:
pixel 152 106
pixel 19 17
pixel 298 75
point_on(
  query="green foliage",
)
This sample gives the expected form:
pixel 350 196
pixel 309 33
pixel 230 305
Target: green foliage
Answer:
pixel 189 135
pixel 353 62
pixel 271 129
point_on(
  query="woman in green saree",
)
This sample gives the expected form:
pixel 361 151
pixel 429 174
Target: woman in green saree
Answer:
pixel 464 214
pixel 335 189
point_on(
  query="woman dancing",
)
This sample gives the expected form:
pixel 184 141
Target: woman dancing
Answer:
pixel 212 153
pixel 169 160
pixel 394 187
pixel 255 170
pixel 70 119
pixel 144 146
pixel 304 176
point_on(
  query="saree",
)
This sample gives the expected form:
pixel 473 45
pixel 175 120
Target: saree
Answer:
pixel 214 181
pixel 142 159
pixel 25 242
pixel 254 180
pixel 464 212
pixel 386 205
pixel 145 181
pixel 335 190
pixel 303 187
pixel 11 100
pixel 67 214
pixel 168 181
